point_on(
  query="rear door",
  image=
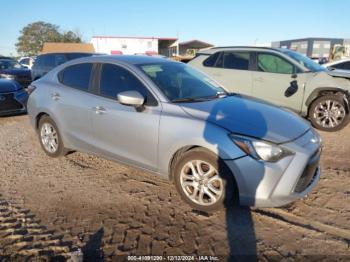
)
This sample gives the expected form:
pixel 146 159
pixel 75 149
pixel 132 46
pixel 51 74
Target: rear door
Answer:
pixel 120 131
pixel 232 70
pixel 274 77
pixel 72 103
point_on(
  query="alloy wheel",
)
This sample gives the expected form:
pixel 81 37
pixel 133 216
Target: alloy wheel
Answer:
pixel 49 137
pixel 329 113
pixel 201 182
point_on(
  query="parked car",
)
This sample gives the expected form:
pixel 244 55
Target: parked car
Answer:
pixel 11 69
pixel 168 118
pixel 6 58
pixel 13 98
pixel 26 62
pixel 343 64
pixel 45 62
pixel 283 77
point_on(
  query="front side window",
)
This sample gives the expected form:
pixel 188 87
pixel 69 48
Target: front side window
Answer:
pixel 179 81
pixel 236 60
pixel 115 79
pixel 347 65
pixel 77 76
pixel 344 65
pixel 274 64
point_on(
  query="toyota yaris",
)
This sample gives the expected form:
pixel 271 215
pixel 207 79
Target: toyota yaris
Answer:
pixel 165 117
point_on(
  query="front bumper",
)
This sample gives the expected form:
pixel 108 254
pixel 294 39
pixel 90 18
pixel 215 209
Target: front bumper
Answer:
pixel 263 184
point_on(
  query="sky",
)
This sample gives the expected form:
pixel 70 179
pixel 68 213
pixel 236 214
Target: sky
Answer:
pixel 220 22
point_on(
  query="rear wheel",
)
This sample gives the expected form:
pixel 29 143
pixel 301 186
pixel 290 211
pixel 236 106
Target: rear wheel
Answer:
pixel 50 138
pixel 329 113
pixel 204 181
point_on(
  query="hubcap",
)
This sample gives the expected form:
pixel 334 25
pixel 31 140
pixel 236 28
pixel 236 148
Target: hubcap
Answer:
pixel 201 182
pixel 49 138
pixel 329 113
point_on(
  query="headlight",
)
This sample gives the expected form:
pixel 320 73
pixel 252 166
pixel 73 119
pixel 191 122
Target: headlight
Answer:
pixel 260 150
pixel 7 76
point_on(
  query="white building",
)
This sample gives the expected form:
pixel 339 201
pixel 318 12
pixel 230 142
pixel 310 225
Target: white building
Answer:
pixel 135 45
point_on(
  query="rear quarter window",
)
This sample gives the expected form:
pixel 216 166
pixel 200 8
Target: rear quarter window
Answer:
pixel 211 60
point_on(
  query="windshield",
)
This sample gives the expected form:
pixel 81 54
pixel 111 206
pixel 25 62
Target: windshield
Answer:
pixel 181 82
pixel 304 61
pixel 4 65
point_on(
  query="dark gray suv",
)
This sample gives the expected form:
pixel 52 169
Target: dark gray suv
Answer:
pixel 45 62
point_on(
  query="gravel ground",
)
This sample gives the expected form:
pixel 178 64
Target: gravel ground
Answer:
pixel 85 207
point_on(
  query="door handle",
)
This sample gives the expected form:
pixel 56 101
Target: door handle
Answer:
pixel 99 110
pixel 55 96
pixel 259 79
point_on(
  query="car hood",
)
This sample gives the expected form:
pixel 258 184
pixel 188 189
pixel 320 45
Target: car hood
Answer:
pixel 249 117
pixel 8 86
pixel 16 72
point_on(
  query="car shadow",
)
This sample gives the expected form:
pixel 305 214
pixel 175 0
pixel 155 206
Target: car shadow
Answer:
pixel 92 251
pixel 239 222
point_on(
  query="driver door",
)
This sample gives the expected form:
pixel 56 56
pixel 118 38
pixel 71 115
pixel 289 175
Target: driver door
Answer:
pixel 121 132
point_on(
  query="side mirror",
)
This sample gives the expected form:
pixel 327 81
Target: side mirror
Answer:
pixel 131 98
pixel 292 89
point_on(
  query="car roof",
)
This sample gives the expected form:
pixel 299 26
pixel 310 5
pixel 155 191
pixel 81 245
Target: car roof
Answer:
pixel 66 53
pixel 229 48
pixel 129 59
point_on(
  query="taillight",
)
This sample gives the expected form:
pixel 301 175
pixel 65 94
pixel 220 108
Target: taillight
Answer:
pixel 31 89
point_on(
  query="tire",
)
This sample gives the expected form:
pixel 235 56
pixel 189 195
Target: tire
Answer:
pixel 223 181
pixel 329 113
pixel 48 131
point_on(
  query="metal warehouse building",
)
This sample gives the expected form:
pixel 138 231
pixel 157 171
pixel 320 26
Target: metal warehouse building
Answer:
pixel 313 47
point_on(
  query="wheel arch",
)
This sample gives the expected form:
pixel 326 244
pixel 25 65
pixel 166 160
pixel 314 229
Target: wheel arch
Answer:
pixel 321 91
pixel 38 117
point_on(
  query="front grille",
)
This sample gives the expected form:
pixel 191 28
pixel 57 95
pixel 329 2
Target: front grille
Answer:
pixel 309 173
pixel 8 102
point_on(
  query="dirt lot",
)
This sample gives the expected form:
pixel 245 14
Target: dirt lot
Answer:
pixel 85 206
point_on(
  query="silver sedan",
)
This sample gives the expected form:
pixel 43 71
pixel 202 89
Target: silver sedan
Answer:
pixel 167 118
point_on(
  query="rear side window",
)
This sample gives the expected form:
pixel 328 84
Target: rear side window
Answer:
pixel 115 79
pixel 48 60
pixel 77 76
pixel 60 59
pixel 236 60
pixel 271 63
pixel 211 60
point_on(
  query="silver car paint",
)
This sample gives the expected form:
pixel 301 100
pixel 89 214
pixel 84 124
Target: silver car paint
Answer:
pixel 149 139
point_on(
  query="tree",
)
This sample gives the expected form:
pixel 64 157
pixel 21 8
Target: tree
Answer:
pixel 34 35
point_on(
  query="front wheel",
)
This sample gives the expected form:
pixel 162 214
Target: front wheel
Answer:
pixel 329 113
pixel 204 181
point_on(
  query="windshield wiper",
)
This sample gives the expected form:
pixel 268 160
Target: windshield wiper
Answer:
pixel 189 99
pixel 201 99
